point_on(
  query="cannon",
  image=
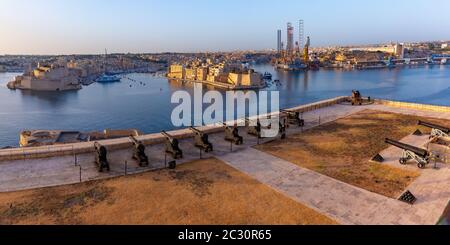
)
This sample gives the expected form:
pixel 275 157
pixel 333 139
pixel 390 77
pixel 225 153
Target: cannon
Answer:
pixel 139 152
pixel 436 130
pixel 172 146
pixel 293 117
pixel 421 156
pixel 101 159
pixel 356 98
pixel 232 135
pixel 253 130
pixel 201 140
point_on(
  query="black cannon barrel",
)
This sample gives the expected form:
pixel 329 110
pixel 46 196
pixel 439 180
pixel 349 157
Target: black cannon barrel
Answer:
pixel 166 134
pixel 134 140
pixel 195 130
pixel 247 120
pixel 97 145
pixel 435 126
pixel 419 151
pixel 229 126
pixel 287 111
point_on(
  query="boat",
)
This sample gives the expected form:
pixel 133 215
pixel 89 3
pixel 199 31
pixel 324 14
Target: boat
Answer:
pixel 108 79
pixel 108 76
pixel 295 65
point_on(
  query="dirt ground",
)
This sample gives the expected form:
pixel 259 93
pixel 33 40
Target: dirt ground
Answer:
pixel 202 192
pixel 342 149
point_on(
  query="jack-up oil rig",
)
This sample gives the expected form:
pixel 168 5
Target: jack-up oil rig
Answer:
pixel 292 58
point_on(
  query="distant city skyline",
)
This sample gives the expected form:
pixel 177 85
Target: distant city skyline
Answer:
pixel 154 26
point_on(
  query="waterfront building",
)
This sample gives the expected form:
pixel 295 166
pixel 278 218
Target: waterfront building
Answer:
pixel 176 71
pixel 249 79
pixel 390 49
pixel 202 72
pixel 279 44
pixel 399 50
pixel 46 77
pixel 191 73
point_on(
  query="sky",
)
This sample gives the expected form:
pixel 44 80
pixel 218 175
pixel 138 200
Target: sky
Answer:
pixel 147 26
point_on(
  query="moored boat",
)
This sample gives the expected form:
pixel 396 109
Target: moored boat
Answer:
pixel 108 79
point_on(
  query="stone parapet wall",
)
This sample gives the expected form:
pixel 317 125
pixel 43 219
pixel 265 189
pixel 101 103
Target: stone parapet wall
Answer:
pixel 415 106
pixel 320 104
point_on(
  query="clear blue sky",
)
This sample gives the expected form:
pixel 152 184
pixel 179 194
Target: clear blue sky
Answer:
pixel 90 26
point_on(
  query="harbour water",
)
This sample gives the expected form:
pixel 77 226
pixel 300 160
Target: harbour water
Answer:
pixel 143 102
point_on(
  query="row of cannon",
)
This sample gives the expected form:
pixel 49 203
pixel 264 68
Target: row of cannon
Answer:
pixel 201 140
pixel 101 153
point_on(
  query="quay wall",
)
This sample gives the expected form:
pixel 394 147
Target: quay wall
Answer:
pixel 157 138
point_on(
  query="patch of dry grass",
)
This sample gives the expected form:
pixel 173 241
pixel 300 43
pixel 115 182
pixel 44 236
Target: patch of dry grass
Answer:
pixel 342 149
pixel 201 192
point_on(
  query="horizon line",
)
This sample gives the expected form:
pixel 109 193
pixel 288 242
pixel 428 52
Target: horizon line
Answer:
pixel 218 51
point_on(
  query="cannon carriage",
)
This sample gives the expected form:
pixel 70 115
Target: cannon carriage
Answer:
pixel 172 146
pixel 232 135
pixel 436 130
pixel 139 152
pixel 101 159
pixel 293 117
pixel 201 140
pixel 419 155
pixel 254 130
pixel 356 98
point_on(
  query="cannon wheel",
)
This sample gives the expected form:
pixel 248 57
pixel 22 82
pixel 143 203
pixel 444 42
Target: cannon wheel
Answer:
pixel 402 161
pixel 421 165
